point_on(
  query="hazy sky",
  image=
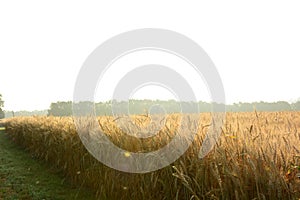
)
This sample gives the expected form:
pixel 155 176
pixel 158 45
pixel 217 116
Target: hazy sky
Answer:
pixel 255 45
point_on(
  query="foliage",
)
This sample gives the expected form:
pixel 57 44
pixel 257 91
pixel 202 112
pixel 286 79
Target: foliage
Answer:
pixel 22 177
pixel 1 101
pixel 60 109
pixel 144 106
pixel 2 115
pixel 9 114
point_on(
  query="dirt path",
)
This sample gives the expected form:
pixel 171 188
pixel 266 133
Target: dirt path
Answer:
pixel 22 177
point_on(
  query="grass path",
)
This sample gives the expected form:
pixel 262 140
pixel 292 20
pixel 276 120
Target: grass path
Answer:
pixel 22 177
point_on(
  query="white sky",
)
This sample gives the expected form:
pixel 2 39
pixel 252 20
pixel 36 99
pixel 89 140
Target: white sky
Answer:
pixel 255 45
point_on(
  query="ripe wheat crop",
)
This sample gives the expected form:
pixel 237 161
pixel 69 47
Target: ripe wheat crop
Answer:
pixel 256 157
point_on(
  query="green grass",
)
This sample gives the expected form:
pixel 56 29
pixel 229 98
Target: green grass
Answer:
pixel 23 177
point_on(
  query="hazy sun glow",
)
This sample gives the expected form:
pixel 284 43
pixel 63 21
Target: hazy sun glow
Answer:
pixel 255 46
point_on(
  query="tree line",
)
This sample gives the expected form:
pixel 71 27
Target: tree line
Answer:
pixel 65 108
pixel 7 114
pixel 158 106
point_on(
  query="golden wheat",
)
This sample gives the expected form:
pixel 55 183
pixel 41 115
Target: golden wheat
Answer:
pixel 257 156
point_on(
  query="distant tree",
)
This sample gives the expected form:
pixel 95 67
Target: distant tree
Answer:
pixel 60 109
pixel 296 106
pixel 9 114
pixel 1 106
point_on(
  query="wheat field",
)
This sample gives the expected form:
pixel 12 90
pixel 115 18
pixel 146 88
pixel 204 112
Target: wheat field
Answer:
pixel 256 157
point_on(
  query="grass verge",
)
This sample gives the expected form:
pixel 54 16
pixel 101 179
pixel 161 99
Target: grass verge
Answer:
pixel 22 177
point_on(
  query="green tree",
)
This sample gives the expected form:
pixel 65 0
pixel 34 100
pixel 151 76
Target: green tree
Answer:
pixel 60 108
pixel 1 106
